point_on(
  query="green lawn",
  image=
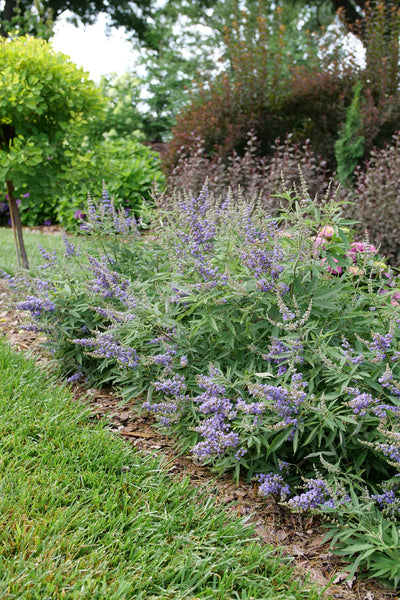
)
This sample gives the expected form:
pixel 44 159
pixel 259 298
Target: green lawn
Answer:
pixel 84 515
pixel 32 240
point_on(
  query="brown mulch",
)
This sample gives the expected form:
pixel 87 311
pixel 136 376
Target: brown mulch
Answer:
pixel 300 537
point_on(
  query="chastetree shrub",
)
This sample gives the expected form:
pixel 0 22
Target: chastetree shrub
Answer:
pixel 268 346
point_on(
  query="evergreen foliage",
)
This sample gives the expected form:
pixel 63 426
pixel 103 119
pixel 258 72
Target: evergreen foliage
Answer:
pixel 349 147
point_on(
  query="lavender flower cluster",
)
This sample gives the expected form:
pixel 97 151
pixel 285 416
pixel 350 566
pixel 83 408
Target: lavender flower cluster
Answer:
pixel 381 344
pixel 165 359
pixel 115 316
pixel 109 284
pixel 261 253
pixel 389 501
pixel 392 451
pixel 79 374
pixel 104 216
pixel 350 356
pixel 216 430
pixel 69 249
pixel 386 380
pixel 280 354
pixel 50 260
pixel 316 496
pixel 195 243
pixel 362 403
pixel 104 345
pixel 273 483
pixel 36 305
pixel 285 402
pixel 171 409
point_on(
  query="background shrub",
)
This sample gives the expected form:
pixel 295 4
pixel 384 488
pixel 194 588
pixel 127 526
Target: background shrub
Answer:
pixel 131 168
pixel 258 178
pixel 259 89
pixel 376 198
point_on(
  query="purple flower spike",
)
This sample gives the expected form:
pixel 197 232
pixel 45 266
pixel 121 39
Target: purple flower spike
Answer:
pixel 170 409
pixel 216 429
pixel 317 496
pixel 271 483
pixel 36 306
pixel 285 402
pixel 106 346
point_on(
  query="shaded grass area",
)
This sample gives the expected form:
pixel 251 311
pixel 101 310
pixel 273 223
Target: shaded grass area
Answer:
pixel 32 239
pixel 83 515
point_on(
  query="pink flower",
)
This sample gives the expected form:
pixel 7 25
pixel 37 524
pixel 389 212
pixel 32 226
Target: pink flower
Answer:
pixel 359 248
pixel 326 232
pixel 285 234
pixel 356 271
pixel 337 271
pixel 320 241
pixel 395 298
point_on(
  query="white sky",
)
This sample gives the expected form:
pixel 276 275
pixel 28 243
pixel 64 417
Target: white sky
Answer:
pixel 90 48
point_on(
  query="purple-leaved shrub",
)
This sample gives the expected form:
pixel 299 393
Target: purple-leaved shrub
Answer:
pixel 376 199
pixel 259 178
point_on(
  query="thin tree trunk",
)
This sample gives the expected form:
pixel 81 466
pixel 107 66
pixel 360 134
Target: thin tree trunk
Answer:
pixel 15 238
pixel 17 227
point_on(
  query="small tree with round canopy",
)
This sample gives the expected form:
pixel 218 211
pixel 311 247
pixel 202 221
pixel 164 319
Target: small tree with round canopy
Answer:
pixel 47 104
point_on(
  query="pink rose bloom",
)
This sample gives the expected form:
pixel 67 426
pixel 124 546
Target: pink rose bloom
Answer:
pixel 326 232
pixel 359 248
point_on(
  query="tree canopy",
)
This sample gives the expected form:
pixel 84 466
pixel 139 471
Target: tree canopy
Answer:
pixel 143 18
pixel 32 16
